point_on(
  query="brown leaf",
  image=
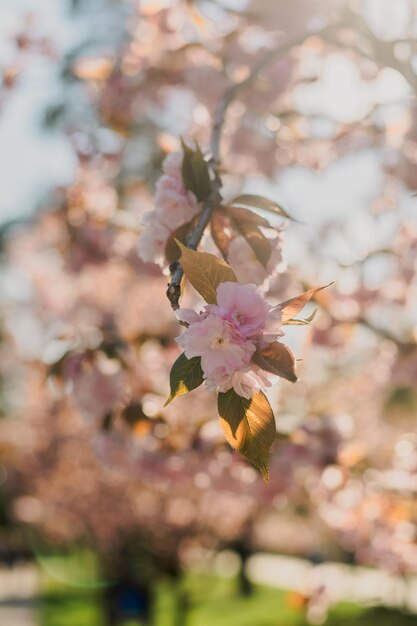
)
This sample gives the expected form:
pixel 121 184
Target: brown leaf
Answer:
pixel 278 359
pixel 172 252
pixel 257 241
pixel 249 426
pixel 220 237
pixel 246 215
pixel 302 322
pixel 205 272
pixel 293 306
pixel 260 202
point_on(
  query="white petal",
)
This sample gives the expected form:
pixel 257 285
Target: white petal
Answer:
pixel 187 315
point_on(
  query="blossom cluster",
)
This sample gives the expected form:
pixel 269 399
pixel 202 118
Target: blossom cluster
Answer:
pixel 174 207
pixel 226 335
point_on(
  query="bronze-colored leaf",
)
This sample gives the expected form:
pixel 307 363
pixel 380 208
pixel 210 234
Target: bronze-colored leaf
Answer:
pixel 195 172
pixel 172 252
pixel 257 241
pixel 249 199
pixel 205 272
pixel 293 306
pixel 186 375
pixel 278 359
pixel 218 232
pixel 249 426
pixel 246 215
pixel 303 321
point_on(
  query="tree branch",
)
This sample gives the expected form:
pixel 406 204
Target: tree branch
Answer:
pixel 405 346
pixel 380 51
pixel 196 234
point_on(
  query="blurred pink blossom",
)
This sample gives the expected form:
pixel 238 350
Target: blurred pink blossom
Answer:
pixel 174 207
pixel 226 335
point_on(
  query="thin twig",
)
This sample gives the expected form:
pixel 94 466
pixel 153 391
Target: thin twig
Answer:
pixel 193 239
pixel 405 346
pixel 380 51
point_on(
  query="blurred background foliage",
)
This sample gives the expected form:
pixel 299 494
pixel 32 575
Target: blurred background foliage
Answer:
pixel 93 95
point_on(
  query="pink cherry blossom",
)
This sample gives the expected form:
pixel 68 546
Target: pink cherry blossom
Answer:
pixel 218 344
pixel 174 207
pixel 227 334
pixel 172 163
pixel 152 241
pixel 246 383
pixel 243 306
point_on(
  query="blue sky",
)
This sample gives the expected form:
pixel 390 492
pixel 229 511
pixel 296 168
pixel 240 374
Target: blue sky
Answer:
pixel 32 161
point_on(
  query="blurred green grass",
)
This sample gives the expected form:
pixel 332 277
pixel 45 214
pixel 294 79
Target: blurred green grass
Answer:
pixel 211 601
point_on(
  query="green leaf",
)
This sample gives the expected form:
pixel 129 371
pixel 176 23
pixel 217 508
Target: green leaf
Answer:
pixel 249 426
pixel 186 375
pixel 278 359
pixel 205 272
pixel 195 172
pixel 260 202
pixel 293 306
